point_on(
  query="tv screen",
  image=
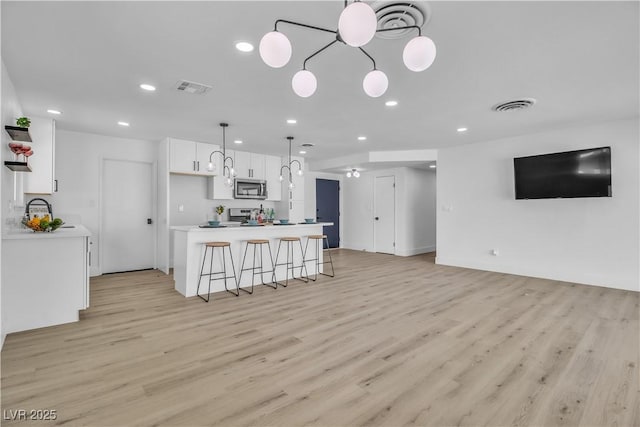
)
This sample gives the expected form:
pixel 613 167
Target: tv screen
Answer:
pixel 581 173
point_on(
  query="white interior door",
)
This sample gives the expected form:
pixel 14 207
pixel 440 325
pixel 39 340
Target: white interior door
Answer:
pixel 127 208
pixel 384 214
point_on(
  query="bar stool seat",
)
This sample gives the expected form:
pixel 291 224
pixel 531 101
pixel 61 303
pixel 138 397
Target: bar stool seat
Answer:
pixel 319 238
pixel 257 243
pixel 211 273
pixel 290 242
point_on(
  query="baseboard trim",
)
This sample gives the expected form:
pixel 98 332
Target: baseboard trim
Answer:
pixel 416 251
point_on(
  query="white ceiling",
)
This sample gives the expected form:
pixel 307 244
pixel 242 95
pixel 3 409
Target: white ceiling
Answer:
pixel 578 59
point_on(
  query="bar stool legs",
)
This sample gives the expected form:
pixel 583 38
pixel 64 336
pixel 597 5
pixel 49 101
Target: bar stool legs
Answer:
pixel 255 243
pixel 318 238
pixel 213 245
pixel 290 242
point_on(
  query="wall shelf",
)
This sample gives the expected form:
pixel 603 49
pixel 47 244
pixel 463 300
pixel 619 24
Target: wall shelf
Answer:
pixel 18 133
pixel 18 166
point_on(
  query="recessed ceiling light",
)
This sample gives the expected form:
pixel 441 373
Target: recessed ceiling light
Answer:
pixel 237 141
pixel 292 121
pixel 244 47
pixel 54 112
pixel 123 123
pixel 461 129
pixel 302 152
pixel 147 87
pixel 362 138
pixel 391 103
pixel 432 166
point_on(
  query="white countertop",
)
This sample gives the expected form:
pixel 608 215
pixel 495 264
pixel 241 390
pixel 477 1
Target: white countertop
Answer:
pixel 76 231
pixel 236 226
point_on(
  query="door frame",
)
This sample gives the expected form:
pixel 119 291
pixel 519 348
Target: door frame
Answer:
pixel 395 213
pixel 154 206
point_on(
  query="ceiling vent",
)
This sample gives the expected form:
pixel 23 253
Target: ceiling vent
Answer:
pixel 518 104
pixel 192 87
pixel 392 14
pixel 306 144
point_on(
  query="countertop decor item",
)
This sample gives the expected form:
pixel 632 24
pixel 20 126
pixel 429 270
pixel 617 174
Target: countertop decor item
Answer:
pixel 44 224
pixel 357 25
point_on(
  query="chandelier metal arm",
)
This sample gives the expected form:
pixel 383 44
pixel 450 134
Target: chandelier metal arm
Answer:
pixel 406 27
pixel 304 64
pixel 369 56
pixel 295 161
pixel 312 27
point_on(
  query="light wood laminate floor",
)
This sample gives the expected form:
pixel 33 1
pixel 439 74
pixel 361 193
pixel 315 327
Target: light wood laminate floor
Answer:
pixel 390 341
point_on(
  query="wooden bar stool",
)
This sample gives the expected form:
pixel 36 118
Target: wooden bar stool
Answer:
pixel 213 246
pixel 318 238
pixel 290 242
pixel 257 243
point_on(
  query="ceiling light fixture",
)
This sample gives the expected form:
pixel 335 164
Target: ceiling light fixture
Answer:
pixel 356 27
pixel 292 121
pixel 302 152
pixel 147 87
pixel 391 103
pixel 123 124
pixel 432 166
pixel 244 47
pixel 462 129
pixel 237 141
pixel 288 166
pixel 228 172
pixel 353 173
pixel 362 138
pixel 56 112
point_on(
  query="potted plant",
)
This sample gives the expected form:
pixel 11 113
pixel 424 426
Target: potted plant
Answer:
pixel 219 210
pixel 23 122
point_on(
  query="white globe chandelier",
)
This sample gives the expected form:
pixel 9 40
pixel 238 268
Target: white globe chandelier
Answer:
pixel 356 27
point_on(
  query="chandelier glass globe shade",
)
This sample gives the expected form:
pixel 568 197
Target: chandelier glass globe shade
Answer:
pixel 304 83
pixel 419 53
pixel 356 174
pixel 375 83
pixel 357 24
pixel 348 174
pixel 275 49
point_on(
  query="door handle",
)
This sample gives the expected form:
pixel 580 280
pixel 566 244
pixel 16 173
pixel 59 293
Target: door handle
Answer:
pixel 149 221
pixel 377 218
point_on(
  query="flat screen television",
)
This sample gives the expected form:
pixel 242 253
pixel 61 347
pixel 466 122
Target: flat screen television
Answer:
pixel 581 173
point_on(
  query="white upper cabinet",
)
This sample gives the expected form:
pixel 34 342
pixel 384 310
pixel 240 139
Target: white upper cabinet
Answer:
pixel 272 175
pixel 250 165
pixel 189 157
pixel 42 178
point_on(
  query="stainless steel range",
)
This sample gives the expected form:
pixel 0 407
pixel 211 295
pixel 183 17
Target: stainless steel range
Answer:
pixel 240 214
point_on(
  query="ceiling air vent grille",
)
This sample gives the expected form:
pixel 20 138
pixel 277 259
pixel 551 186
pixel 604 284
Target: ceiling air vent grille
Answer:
pixel 192 87
pixel 394 14
pixel 518 104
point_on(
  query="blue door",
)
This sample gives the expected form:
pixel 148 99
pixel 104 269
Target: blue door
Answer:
pixel 328 208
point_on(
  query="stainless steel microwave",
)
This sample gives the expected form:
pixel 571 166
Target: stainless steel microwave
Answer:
pixel 250 188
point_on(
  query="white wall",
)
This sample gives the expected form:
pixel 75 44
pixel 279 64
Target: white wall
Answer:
pixel 588 240
pixel 78 165
pixel 10 109
pixel 415 215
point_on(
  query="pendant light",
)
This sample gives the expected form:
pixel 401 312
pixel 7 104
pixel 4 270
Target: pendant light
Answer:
pixel 357 25
pixel 289 165
pixel 228 172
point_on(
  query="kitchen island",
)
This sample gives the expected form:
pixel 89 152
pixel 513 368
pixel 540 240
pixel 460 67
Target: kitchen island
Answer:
pixel 45 277
pixel 188 250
